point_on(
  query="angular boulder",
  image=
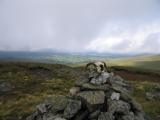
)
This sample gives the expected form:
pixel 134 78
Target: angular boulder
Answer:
pixel 90 86
pixel 105 116
pixel 118 106
pixel 72 108
pixel 92 97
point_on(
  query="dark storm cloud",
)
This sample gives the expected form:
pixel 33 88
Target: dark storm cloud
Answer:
pixel 77 25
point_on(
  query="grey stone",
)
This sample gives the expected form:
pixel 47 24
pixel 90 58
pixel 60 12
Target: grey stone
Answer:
pixel 92 97
pixel 136 107
pixel 100 79
pixel 125 97
pixel 82 115
pixel 74 90
pixel 139 116
pixel 89 86
pixel 158 117
pixel 117 78
pixel 105 116
pixel 54 117
pixel 59 104
pixel 118 106
pixel 130 116
pixel 32 116
pixel 94 115
pixel 118 81
pixel 153 95
pixel 6 87
pixel 119 89
pixel 115 96
pixel 44 107
pixel 72 108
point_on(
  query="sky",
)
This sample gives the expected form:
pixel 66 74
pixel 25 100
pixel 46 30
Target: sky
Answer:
pixel 103 26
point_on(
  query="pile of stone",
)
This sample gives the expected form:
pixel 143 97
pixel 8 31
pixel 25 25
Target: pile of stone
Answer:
pixel 102 96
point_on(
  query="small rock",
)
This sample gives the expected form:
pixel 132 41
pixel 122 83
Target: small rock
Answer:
pixel 72 108
pixel 94 115
pixel 32 116
pixel 118 78
pixel 119 106
pixel 5 87
pixel 92 97
pixel 105 116
pixel 59 104
pixel 89 86
pixel 130 116
pixel 74 90
pixel 153 95
pixel 44 107
pixel 103 78
pixel 115 96
pixel 125 97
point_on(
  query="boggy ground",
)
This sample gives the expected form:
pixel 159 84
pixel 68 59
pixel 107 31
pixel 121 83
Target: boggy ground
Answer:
pixel 28 84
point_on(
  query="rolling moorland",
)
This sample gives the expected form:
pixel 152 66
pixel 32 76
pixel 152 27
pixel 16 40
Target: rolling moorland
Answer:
pixel 28 83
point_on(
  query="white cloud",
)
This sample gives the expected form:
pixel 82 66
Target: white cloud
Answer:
pixel 145 39
pixel 78 25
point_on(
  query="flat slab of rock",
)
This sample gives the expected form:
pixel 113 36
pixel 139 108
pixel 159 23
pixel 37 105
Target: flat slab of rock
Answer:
pixel 118 106
pixel 89 86
pixel 93 97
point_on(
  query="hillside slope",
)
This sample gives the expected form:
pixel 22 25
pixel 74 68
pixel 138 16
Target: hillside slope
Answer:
pixel 23 85
pixel 142 62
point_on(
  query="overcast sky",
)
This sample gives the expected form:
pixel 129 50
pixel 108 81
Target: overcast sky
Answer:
pixel 119 26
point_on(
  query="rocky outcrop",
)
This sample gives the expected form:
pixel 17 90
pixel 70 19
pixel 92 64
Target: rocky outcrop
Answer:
pixel 102 96
pixel 6 87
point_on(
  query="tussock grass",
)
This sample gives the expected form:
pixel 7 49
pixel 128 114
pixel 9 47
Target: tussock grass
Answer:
pixel 151 108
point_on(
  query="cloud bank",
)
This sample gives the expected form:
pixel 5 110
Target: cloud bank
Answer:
pixel 122 26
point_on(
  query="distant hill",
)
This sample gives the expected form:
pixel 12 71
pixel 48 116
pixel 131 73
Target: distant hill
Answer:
pixel 58 57
pixel 150 62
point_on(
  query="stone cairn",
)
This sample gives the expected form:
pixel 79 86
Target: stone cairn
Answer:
pixel 101 96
